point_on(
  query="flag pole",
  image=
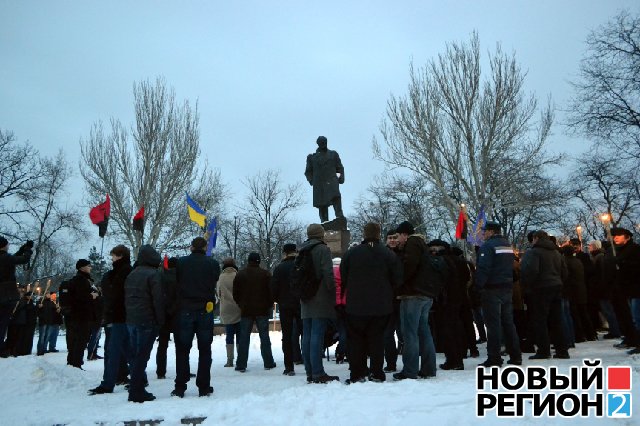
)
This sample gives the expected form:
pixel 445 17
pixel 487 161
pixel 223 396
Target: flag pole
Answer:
pixel 102 248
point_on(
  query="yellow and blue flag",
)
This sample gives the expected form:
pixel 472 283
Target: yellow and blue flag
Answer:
pixel 196 213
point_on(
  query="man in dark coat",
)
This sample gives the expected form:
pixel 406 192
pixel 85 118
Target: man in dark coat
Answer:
pixel 115 323
pixel 196 275
pixel 46 319
pixel 627 261
pixel 494 279
pixel 575 291
pixel 542 272
pixel 80 300
pixel 8 287
pixel 169 285
pixel 416 299
pixel 601 285
pixel 325 173
pixel 145 313
pixel 369 272
pixel 252 293
pixel 289 308
pixel 392 348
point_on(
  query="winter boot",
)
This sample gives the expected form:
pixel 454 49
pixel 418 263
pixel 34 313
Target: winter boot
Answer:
pixel 229 355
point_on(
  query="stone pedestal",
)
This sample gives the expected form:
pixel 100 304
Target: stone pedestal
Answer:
pixel 337 236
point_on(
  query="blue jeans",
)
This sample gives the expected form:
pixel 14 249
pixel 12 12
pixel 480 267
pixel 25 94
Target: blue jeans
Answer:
pixel 197 323
pixel 635 313
pixel 94 340
pixel 569 329
pixel 497 310
pixel 52 339
pixel 43 335
pixel 116 348
pixel 313 345
pixel 418 343
pixel 231 332
pixel 141 338
pixel 607 310
pixel 246 325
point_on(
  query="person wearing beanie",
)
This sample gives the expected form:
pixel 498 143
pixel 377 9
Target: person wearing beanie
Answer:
pixel 320 309
pixel 289 308
pixel 196 279
pixel 9 295
pixel 80 299
pixel 626 289
pixel 114 319
pixel 252 293
pixel 229 309
pixel 369 272
pixel 418 352
pixel 325 173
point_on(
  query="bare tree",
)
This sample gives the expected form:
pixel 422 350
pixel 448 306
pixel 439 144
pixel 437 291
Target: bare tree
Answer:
pixel 267 222
pixel 472 139
pixel 599 185
pixel 153 170
pixel 19 166
pixel 606 104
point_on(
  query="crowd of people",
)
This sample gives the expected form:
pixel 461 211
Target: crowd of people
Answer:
pixel 384 298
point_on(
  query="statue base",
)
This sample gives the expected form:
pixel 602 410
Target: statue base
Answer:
pixel 337 236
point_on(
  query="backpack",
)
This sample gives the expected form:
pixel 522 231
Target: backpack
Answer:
pixel 433 274
pixel 63 298
pixel 303 281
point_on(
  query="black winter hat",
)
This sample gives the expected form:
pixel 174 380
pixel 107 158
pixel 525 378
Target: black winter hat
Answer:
pixel 289 248
pixel 254 257
pixel 82 263
pixel 405 228
pixel 3 242
pixel 492 226
pixel 621 231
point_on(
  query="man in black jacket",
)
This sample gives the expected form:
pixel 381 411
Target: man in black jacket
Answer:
pixel 289 308
pixel 369 272
pixel 114 318
pixel 80 299
pixel 542 272
pixel 8 287
pixel 145 312
pixel 252 293
pixel 196 275
pixel 627 287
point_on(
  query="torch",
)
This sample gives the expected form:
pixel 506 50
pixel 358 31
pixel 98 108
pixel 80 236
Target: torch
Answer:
pixel 606 221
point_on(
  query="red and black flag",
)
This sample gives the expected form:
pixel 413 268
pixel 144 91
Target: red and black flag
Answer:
pixel 461 227
pixel 138 220
pixel 99 215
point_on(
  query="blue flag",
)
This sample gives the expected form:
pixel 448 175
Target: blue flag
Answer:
pixel 212 231
pixel 475 236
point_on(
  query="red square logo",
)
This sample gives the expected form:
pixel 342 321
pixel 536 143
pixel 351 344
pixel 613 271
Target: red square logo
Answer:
pixel 619 378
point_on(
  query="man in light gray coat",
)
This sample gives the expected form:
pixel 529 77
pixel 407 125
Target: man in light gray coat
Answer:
pixel 320 309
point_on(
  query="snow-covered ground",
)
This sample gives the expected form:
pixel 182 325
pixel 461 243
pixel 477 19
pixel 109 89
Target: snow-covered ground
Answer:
pixel 45 391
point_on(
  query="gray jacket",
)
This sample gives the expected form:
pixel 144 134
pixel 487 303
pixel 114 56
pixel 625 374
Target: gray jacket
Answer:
pixel 322 305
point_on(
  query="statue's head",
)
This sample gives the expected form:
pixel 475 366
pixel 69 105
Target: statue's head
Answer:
pixel 322 142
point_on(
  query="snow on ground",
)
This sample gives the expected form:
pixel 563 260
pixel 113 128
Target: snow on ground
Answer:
pixel 45 391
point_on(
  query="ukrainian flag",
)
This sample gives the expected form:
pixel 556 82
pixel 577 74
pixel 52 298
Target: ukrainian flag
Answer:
pixel 196 213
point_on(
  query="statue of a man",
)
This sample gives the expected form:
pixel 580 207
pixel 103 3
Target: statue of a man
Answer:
pixel 325 172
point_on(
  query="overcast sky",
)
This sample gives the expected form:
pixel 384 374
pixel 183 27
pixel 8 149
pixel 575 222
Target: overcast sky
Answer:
pixel 268 76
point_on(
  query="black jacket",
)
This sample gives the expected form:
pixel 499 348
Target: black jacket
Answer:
pixel 628 276
pixel 280 288
pixel 197 275
pixel 8 289
pixel 574 288
pixel 455 291
pixel 113 292
pixel 47 314
pixel 144 296
pixel 80 299
pixel 411 258
pixel 542 266
pixel 369 273
pixel 251 291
